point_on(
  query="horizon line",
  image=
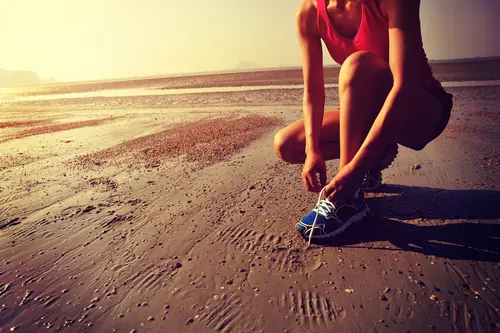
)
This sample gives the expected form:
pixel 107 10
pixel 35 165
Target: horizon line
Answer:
pixel 224 71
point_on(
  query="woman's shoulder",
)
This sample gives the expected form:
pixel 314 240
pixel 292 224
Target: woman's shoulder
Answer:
pixel 306 16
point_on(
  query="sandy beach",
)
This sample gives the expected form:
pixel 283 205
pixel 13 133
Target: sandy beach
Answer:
pixel 171 213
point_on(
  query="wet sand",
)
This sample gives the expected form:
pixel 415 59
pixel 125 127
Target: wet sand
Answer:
pixel 181 220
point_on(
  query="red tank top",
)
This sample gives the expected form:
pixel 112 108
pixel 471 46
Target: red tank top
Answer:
pixel 372 36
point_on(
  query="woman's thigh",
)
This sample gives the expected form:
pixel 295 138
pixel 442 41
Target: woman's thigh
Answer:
pixel 425 113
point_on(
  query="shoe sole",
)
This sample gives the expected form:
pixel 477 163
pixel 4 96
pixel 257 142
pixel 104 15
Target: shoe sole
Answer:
pixel 355 219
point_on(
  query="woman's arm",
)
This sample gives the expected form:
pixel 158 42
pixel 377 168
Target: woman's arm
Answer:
pixel 405 43
pixel 314 94
pixel 312 68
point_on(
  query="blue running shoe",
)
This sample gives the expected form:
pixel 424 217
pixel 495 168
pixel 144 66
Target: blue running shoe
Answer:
pixel 327 220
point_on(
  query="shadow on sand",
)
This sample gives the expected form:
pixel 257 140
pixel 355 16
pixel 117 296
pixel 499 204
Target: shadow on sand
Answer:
pixel 465 240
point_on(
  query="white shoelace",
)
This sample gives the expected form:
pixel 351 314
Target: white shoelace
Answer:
pixel 319 208
pixel 325 207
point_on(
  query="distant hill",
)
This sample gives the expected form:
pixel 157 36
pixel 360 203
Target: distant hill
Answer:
pixel 18 78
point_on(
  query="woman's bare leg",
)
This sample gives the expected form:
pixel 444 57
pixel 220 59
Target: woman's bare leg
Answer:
pixel 364 83
pixel 363 86
pixel 290 142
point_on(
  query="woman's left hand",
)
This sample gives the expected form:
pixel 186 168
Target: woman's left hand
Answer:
pixel 344 185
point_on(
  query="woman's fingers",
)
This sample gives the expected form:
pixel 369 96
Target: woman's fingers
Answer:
pixel 310 179
pixel 308 184
pixel 330 188
pixel 313 180
pixel 305 182
pixel 322 177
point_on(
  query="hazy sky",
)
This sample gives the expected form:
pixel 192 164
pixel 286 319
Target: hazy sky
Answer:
pixel 93 39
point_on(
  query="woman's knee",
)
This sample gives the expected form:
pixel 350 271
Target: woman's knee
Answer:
pixel 280 144
pixel 285 147
pixel 361 68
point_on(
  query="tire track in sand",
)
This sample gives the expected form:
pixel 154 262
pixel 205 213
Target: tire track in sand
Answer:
pixel 311 309
pixel 464 318
pixel 402 311
pixel 282 256
pixel 225 314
